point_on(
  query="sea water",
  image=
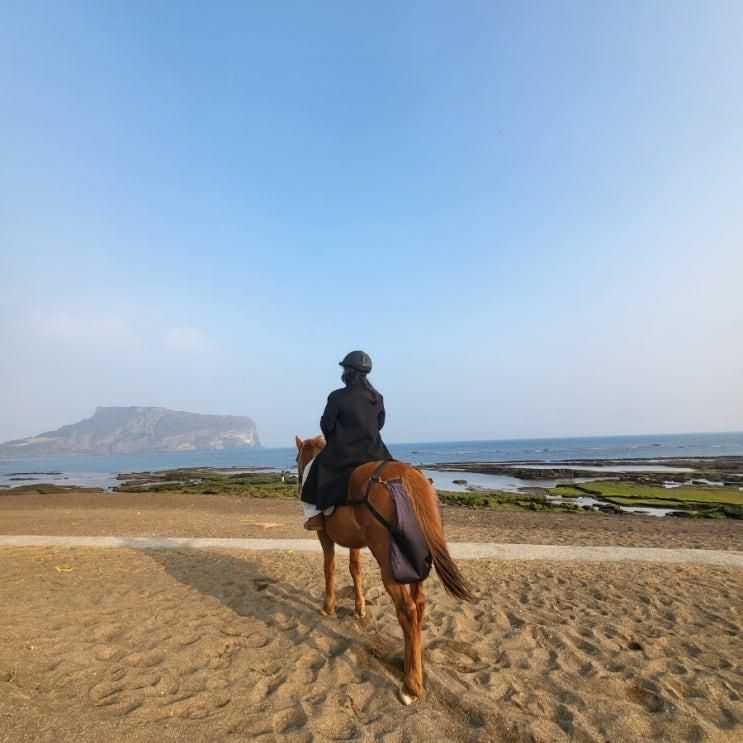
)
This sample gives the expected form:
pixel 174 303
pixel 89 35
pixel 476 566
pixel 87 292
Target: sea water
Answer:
pixel 101 470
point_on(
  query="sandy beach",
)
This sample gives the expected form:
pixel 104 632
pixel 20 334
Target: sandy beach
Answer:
pixel 229 645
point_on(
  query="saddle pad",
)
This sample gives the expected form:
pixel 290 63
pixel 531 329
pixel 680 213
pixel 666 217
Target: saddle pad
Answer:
pixel 409 554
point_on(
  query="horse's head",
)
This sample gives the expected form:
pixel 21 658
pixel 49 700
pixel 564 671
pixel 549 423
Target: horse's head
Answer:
pixel 307 450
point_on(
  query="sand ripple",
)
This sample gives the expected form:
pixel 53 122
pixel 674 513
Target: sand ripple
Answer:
pixel 198 646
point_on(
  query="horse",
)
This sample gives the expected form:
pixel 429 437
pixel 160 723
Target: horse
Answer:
pixel 353 525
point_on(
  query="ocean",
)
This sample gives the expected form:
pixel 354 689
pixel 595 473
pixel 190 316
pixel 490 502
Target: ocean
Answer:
pixel 100 470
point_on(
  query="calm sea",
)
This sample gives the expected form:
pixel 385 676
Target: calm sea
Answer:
pixel 101 469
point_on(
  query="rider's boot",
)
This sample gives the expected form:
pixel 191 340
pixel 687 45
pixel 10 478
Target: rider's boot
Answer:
pixel 315 523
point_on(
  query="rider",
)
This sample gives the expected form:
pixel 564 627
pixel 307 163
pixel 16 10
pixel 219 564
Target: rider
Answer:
pixel 353 417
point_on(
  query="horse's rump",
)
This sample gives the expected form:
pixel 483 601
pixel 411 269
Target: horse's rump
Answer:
pixel 417 497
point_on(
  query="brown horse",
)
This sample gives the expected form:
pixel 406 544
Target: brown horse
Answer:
pixel 354 526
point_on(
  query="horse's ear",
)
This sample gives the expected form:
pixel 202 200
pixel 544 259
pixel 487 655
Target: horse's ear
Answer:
pixel 319 441
pixel 298 442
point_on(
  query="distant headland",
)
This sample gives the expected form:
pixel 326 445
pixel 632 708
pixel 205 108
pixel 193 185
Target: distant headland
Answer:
pixel 130 430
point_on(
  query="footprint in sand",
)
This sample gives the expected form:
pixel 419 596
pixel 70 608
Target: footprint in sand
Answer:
pixel 728 719
pixel 331 646
pixel 107 652
pixel 553 663
pixel 645 697
pixel 289 721
pixel 233 630
pixel 190 710
pixel 188 639
pixel 375 595
pixel 145 681
pixel 264 688
pixel 143 659
pixel 588 670
pixel 587 647
pixel 105 692
pixel 256 640
pixel 337 729
pixel 117 674
pixel 308 666
pixel 53 665
pixel 515 621
pixel 261 584
pixel 564 718
pixel 461 655
pixel 106 632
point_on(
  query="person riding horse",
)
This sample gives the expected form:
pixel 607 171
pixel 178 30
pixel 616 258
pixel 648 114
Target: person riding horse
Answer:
pixel 353 417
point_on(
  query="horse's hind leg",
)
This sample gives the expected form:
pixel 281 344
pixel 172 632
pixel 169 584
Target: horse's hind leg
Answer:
pixel 418 594
pixel 354 565
pixel 407 616
pixel 328 549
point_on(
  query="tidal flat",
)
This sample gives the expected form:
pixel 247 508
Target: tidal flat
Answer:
pixel 609 495
pixel 699 488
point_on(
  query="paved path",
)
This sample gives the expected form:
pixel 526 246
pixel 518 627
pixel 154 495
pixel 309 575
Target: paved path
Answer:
pixel 460 550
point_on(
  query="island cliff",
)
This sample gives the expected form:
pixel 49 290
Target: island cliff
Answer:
pixel 128 430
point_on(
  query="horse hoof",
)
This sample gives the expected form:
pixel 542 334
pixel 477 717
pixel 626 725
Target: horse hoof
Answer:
pixel 406 698
pixel 360 614
pixel 327 613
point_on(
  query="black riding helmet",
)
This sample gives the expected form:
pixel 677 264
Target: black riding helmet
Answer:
pixel 357 360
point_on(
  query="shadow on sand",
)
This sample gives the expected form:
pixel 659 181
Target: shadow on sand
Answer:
pixel 375 652
pixel 242 586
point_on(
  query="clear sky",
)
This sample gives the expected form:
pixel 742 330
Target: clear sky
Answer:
pixel 529 214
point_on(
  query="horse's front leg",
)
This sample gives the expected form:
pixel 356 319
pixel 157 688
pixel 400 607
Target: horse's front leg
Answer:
pixel 354 565
pixel 407 615
pixel 328 548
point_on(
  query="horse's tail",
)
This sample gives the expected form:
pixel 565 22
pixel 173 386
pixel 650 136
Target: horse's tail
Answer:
pixel 426 506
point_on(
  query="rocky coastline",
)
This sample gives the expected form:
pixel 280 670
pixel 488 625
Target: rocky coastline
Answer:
pixel 704 487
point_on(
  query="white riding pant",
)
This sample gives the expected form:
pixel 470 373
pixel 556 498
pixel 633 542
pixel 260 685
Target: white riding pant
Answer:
pixel 310 509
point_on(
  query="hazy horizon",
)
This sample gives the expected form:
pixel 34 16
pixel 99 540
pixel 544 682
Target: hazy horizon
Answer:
pixel 529 216
pixel 290 445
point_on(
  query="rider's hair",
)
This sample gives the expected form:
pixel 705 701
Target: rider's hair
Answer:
pixel 355 378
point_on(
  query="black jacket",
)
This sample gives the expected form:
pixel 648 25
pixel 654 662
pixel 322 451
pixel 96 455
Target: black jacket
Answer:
pixel 351 425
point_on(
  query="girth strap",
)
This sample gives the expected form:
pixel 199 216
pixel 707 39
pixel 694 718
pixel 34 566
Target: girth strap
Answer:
pixel 374 479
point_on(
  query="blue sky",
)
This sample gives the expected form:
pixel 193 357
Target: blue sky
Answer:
pixel 527 213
